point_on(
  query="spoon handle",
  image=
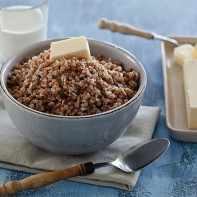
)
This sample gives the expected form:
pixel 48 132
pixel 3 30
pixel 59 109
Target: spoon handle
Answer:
pixel 41 180
pixel 124 29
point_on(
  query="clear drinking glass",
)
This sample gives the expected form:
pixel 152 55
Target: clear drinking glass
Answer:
pixel 22 23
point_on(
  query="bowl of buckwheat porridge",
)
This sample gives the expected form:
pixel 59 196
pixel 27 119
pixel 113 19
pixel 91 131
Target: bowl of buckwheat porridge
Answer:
pixel 72 105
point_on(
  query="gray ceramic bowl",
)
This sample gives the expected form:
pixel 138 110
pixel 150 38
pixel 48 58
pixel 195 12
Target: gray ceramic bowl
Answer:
pixel 73 135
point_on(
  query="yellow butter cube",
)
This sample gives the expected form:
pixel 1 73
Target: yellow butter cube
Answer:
pixel 77 47
pixel 183 52
pixel 195 52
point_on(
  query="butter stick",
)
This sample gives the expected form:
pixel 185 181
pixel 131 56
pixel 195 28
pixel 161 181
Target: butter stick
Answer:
pixel 77 47
pixel 190 86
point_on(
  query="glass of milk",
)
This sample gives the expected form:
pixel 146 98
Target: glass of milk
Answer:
pixel 22 23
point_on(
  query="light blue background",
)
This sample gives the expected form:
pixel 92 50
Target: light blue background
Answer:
pixel 175 174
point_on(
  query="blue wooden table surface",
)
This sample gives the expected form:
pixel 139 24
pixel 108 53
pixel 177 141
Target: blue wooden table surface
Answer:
pixel 175 174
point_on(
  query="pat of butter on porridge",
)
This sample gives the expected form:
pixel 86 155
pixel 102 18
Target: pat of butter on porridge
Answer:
pixel 74 47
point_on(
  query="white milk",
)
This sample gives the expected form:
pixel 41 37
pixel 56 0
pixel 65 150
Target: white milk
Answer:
pixel 20 27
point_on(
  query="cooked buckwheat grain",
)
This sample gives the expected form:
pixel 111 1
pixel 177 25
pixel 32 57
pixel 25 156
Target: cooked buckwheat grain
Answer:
pixel 71 86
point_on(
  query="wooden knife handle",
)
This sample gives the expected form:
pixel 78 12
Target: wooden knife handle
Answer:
pixel 40 180
pixel 124 28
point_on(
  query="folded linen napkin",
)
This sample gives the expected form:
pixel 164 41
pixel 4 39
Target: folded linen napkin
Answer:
pixel 19 154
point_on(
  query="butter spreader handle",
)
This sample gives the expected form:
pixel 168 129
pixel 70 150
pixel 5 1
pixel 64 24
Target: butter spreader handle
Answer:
pixel 124 28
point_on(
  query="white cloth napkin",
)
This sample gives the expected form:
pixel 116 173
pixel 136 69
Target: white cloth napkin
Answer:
pixel 19 154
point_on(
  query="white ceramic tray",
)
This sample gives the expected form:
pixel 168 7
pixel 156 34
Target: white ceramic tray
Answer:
pixel 176 118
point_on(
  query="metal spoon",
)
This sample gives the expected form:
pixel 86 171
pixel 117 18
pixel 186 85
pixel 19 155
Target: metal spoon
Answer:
pixel 134 159
pixel 127 29
pixel 139 156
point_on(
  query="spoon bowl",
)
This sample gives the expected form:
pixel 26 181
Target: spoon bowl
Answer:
pixel 139 156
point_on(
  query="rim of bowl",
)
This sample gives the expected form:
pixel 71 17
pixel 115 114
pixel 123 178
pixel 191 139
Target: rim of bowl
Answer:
pixel 139 91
